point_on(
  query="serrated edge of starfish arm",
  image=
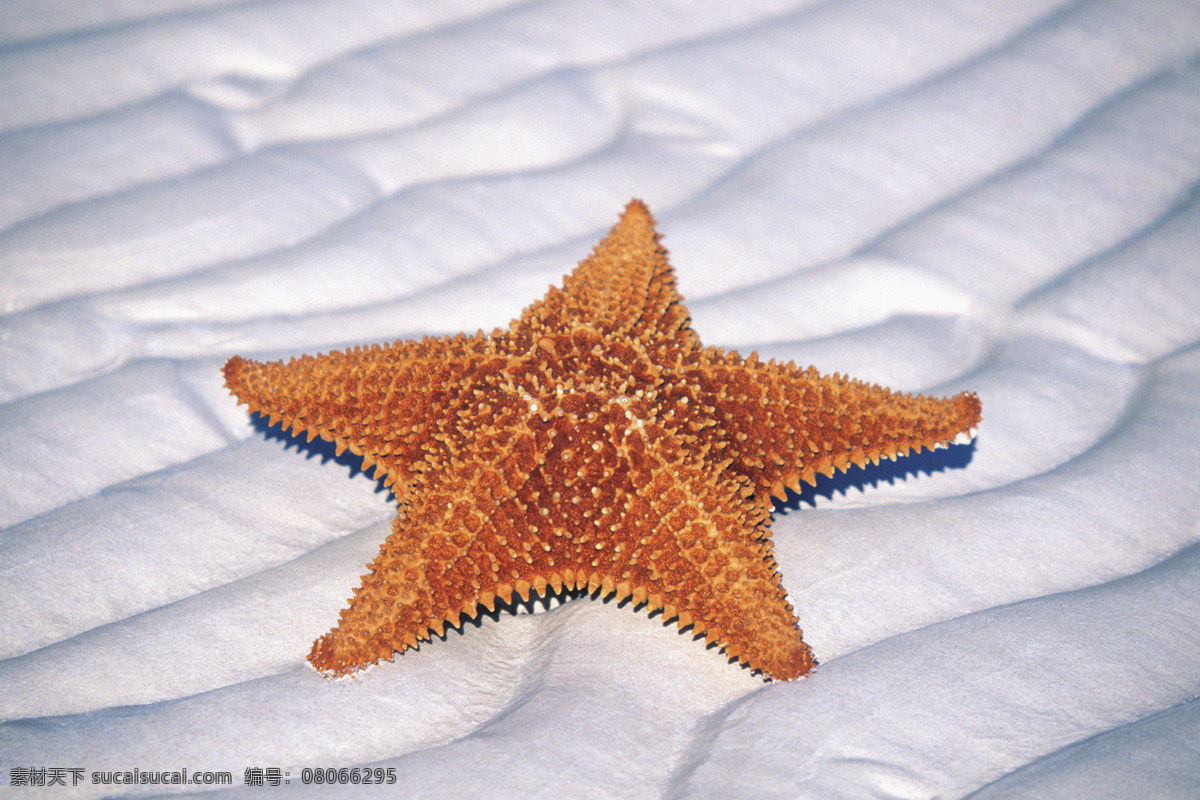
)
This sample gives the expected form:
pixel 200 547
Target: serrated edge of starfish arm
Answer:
pixel 642 598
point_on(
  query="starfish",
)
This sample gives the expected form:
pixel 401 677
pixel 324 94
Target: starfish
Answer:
pixel 593 444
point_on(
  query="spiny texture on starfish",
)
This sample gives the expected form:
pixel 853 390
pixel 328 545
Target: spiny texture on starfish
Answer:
pixel 595 443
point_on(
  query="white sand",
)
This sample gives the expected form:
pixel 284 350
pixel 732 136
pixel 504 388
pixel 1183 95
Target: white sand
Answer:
pixel 934 195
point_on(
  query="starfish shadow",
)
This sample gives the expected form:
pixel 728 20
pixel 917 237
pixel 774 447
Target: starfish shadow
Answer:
pixel 955 456
pixel 317 448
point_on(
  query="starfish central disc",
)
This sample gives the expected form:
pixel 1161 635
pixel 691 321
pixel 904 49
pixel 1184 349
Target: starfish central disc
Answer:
pixel 593 444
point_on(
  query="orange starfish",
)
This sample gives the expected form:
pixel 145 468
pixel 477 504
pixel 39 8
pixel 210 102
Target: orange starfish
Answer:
pixel 595 443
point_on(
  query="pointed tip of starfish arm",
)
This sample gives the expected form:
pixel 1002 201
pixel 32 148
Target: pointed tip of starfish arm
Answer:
pixel 953 420
pixel 245 380
pixel 967 414
pixel 326 659
pixel 233 375
pixel 338 656
pixel 785 660
pixel 970 409
pixel 636 206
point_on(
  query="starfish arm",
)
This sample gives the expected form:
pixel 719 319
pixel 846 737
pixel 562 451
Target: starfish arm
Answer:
pixel 711 565
pixel 385 403
pixel 780 425
pixel 467 537
pixel 625 288
pixel 437 566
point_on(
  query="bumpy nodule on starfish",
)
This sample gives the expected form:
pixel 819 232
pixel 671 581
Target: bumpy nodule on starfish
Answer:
pixel 594 443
